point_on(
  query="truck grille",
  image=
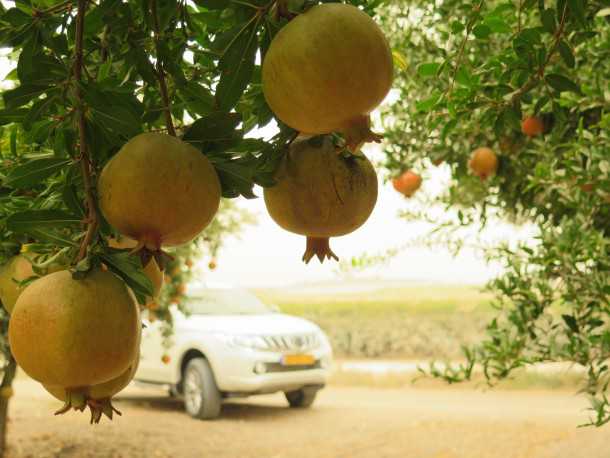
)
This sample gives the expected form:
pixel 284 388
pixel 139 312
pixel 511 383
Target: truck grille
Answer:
pixel 278 367
pixel 295 342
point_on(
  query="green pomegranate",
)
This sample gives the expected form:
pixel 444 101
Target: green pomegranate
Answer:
pixel 321 193
pixel 16 270
pixel 159 191
pixel 97 397
pixel 326 70
pixel 75 332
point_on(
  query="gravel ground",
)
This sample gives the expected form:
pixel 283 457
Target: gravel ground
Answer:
pixel 345 422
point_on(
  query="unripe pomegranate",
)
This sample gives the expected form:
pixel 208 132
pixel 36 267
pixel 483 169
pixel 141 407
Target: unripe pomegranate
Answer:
pixel 16 270
pixel 151 269
pixel 75 333
pixel 532 126
pixel 159 191
pixel 483 163
pixel 321 194
pixel 97 397
pixel 407 183
pixel 326 70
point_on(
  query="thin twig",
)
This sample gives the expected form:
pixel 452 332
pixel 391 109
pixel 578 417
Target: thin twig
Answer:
pixel 60 7
pixel 463 45
pixel 519 16
pixel 533 80
pixel 85 160
pixel 160 72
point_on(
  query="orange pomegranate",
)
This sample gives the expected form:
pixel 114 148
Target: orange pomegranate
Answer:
pixel 532 126
pixel 407 183
pixel 483 163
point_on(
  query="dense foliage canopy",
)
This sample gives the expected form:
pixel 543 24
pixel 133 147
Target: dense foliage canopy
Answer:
pixel 470 72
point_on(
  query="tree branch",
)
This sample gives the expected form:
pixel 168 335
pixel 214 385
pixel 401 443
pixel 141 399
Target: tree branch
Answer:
pixel 533 80
pixel 160 71
pixel 85 160
pixel 469 28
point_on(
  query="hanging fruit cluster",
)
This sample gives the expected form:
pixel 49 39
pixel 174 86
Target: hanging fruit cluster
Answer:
pixel 318 82
pixel 139 200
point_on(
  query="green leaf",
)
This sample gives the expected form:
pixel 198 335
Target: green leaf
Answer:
pixel 32 220
pixel 213 4
pixel 577 8
pixel 117 119
pixel 31 173
pixel 457 27
pixel 236 176
pixel 542 101
pixel 571 322
pixel 427 104
pixel 463 77
pixel 566 54
pixel 497 24
pixel 198 99
pixel 547 17
pixel 236 66
pixel 481 31
pixel 8 116
pixel 428 69
pixel 70 198
pixel 14 98
pixel 38 110
pixel 215 132
pixel 129 268
pixel 562 83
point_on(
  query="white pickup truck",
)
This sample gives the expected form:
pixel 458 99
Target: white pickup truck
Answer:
pixel 233 345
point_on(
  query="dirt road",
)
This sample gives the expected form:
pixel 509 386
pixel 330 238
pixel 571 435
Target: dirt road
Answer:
pixel 344 423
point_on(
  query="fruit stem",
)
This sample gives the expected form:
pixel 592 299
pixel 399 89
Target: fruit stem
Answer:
pixel 319 247
pixel 358 132
pixel 160 72
pixel 85 160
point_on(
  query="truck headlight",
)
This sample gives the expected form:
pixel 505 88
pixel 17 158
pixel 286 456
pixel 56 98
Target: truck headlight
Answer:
pixel 244 341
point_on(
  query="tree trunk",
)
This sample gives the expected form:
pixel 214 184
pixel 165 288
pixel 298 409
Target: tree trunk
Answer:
pixel 6 392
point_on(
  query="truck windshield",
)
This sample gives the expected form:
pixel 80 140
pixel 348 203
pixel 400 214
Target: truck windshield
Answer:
pixel 225 302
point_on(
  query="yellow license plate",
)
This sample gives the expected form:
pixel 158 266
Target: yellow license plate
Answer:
pixel 298 360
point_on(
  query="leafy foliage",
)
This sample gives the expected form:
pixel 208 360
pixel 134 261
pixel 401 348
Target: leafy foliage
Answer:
pixel 470 71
